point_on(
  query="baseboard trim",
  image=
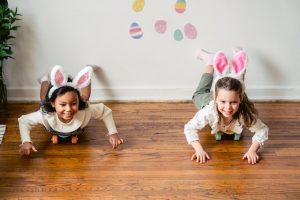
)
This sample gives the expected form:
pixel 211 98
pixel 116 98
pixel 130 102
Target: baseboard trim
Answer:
pixel 160 94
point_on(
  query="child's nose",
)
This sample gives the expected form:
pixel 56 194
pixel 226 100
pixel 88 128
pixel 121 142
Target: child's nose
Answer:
pixel 227 105
pixel 68 107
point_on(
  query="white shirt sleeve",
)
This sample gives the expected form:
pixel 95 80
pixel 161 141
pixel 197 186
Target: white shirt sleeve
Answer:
pixel 199 121
pixel 261 132
pixel 102 112
pixel 27 122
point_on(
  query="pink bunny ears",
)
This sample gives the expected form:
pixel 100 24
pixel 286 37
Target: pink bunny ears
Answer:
pixel 60 79
pixel 237 70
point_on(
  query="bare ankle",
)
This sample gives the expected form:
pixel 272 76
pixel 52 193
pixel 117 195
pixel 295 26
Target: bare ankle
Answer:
pixel 209 69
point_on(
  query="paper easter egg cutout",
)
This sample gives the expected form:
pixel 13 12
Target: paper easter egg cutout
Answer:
pixel 138 5
pixel 190 31
pixel 180 6
pixel 135 31
pixel 160 26
pixel 178 36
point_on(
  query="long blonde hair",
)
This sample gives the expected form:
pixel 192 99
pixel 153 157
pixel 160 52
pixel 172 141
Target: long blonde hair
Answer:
pixel 246 108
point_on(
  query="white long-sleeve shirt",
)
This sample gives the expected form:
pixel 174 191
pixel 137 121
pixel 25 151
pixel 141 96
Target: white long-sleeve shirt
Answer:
pixel 209 116
pixel 80 120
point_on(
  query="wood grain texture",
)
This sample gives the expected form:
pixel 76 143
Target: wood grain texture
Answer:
pixel 154 162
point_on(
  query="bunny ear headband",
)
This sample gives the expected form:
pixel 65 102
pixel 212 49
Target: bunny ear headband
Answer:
pixel 237 70
pixel 60 79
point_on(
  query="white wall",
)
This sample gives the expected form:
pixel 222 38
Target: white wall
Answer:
pixel 75 32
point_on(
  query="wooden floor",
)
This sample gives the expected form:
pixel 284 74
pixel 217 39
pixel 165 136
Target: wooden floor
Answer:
pixel 154 162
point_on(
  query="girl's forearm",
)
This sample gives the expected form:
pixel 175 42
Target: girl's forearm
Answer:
pixel 196 145
pixel 254 147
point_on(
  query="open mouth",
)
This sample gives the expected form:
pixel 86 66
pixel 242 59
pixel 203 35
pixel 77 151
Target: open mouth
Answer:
pixel 228 112
pixel 68 115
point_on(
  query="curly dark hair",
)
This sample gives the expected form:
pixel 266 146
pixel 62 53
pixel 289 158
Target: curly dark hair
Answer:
pixel 246 107
pixel 46 104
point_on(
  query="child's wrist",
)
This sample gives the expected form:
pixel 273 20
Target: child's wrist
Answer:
pixel 111 133
pixel 195 142
pixel 197 146
pixel 254 147
pixel 26 142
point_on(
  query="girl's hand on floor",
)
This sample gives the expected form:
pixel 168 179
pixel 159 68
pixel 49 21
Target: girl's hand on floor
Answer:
pixel 252 157
pixel 200 156
pixel 26 148
pixel 115 140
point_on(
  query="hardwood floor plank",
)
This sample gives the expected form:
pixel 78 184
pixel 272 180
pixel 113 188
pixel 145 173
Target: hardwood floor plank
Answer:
pixel 154 162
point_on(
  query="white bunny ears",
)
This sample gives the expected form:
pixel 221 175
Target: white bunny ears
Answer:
pixel 238 66
pixel 60 79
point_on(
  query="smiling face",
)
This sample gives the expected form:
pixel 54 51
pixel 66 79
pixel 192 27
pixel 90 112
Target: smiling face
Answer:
pixel 228 102
pixel 66 106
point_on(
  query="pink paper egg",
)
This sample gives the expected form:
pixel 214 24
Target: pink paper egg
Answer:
pixel 160 26
pixel 190 31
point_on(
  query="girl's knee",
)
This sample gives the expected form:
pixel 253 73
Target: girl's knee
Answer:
pixel 197 102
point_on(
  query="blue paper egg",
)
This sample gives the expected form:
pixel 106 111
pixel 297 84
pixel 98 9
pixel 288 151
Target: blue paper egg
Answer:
pixel 135 31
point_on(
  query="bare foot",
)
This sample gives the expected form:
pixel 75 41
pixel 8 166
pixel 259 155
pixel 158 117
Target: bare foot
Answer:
pixel 209 69
pixel 95 67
